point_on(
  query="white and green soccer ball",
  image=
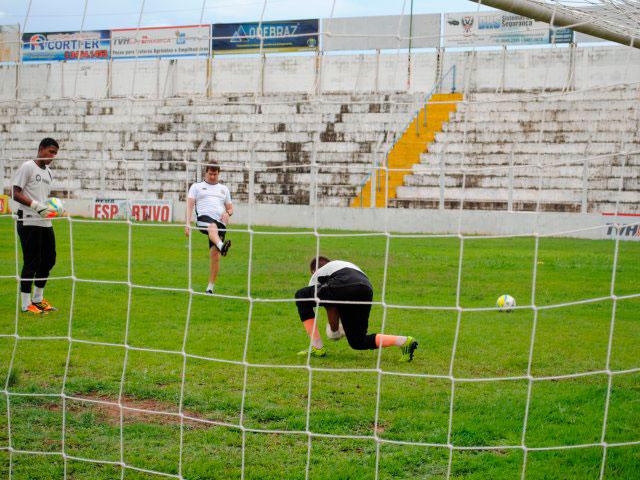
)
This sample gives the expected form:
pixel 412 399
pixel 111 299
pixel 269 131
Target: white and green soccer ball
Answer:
pixel 335 336
pixel 505 303
pixel 56 206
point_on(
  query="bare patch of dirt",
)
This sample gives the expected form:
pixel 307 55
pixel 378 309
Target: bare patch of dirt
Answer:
pixel 135 411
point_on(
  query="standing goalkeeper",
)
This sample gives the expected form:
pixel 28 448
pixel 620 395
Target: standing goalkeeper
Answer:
pixel 31 187
pixel 344 282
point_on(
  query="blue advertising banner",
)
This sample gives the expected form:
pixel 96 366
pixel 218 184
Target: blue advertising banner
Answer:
pixel 277 36
pixel 89 45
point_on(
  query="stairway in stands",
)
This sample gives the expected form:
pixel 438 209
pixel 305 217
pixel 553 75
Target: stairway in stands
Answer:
pixel 407 150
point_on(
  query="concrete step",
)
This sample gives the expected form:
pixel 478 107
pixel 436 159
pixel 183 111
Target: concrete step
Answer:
pixel 628 113
pixel 562 172
pixel 522 194
pixel 590 95
pixel 548 105
pixel 529 206
pixel 593 148
pixel 499 181
pixel 500 126
pixel 481 136
pixel 431 160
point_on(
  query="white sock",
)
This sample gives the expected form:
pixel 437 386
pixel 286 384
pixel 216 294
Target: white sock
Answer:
pixel 317 342
pixel 211 286
pixel 400 341
pixel 38 294
pixel 220 244
pixel 26 300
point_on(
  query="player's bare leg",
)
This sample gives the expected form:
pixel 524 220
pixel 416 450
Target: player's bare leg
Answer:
pixel 212 230
pixel 317 347
pixel 333 317
pixel 223 247
pixel 214 268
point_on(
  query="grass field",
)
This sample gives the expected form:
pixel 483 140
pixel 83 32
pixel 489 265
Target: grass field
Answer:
pixel 421 271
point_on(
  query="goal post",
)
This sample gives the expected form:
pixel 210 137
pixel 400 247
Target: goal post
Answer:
pixel 580 20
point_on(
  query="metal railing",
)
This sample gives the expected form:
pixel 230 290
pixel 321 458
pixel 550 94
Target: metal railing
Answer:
pixel 375 168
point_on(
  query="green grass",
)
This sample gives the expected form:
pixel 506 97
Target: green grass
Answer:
pixel 415 410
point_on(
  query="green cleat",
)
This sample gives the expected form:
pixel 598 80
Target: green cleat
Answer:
pixel 315 352
pixel 408 348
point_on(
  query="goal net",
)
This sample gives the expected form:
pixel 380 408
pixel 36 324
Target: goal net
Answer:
pixel 453 157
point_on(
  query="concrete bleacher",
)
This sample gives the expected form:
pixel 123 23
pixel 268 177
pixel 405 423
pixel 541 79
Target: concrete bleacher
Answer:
pixel 561 152
pixel 507 151
pixel 150 148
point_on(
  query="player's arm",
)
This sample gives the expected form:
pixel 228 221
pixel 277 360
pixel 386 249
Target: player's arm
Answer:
pixel 190 204
pixel 228 211
pixel 41 208
pixel 20 197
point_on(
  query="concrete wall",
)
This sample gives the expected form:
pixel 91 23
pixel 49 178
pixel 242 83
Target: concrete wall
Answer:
pixel 431 222
pixel 486 70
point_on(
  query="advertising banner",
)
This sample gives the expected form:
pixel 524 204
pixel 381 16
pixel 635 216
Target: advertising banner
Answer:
pixel 87 45
pixel 9 43
pixel 625 231
pixel 4 204
pixel 160 211
pixel 276 36
pixel 381 32
pixel 483 29
pixel 160 41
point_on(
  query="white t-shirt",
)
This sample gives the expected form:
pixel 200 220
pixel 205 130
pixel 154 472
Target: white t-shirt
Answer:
pixel 35 183
pixel 210 200
pixel 329 269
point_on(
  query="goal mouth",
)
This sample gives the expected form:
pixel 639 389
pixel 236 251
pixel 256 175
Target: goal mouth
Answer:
pixel 481 169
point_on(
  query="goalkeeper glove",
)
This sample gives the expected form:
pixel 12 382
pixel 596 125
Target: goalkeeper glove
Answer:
pixel 41 209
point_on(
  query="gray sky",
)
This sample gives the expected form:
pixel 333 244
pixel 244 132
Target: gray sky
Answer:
pixel 65 15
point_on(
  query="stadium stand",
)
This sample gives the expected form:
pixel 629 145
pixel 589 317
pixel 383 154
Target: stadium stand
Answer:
pixel 517 152
pixel 342 131
pixel 520 153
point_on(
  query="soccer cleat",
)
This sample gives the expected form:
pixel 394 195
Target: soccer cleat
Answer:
pixel 33 309
pixel 408 348
pixel 209 292
pixel 45 306
pixel 315 352
pixel 225 248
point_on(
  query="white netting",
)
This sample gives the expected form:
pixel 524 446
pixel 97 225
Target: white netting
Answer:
pixel 620 16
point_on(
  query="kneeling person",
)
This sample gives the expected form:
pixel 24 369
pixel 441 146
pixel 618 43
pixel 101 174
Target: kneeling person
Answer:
pixel 343 281
pixel 212 202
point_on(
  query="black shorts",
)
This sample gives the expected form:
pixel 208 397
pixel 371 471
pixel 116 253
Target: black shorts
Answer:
pixel 222 228
pixel 346 284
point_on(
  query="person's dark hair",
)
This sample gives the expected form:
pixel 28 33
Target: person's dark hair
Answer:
pixel 212 166
pixel 48 142
pixel 321 262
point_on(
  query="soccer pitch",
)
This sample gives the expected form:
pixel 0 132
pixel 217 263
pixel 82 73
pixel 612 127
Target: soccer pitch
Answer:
pixel 251 340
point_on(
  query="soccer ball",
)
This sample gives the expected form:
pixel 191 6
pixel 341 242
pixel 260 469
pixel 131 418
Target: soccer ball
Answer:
pixel 335 336
pixel 57 206
pixel 506 303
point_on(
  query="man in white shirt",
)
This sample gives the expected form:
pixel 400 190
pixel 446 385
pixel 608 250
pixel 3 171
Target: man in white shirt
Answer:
pixel 212 201
pixel 31 187
pixel 341 281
